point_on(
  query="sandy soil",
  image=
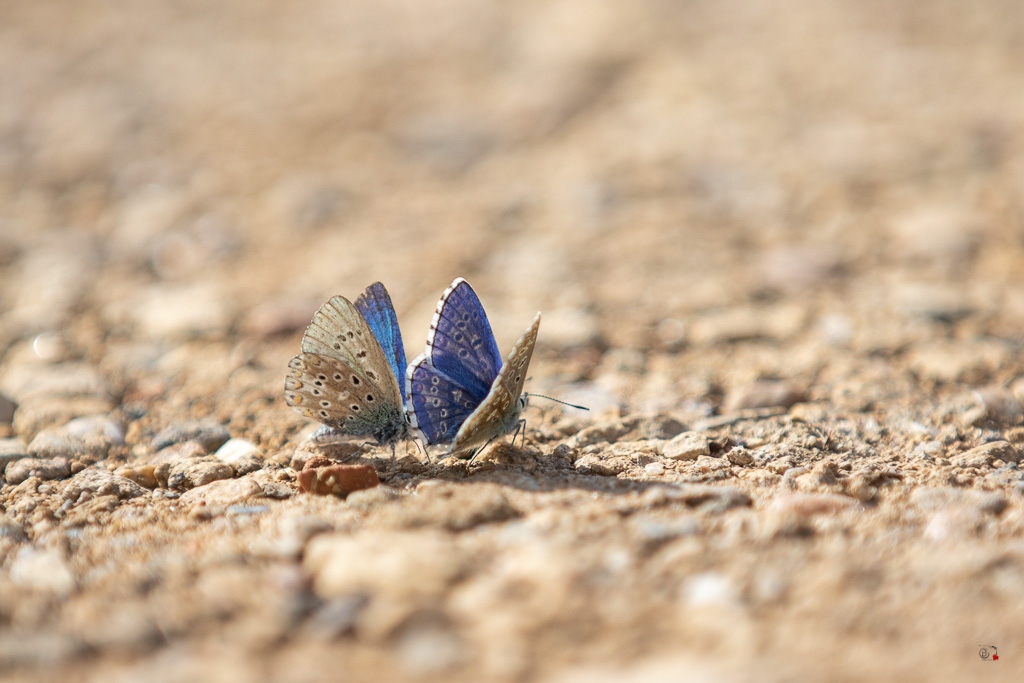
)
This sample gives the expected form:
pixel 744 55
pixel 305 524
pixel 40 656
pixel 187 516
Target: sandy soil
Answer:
pixel 778 251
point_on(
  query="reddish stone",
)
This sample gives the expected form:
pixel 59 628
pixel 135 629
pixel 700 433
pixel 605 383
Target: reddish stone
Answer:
pixel 339 480
pixel 317 461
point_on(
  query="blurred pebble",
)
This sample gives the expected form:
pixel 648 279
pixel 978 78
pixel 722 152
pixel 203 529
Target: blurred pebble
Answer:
pixel 958 523
pixel 7 408
pixel 603 432
pixel 592 463
pixel 179 311
pixel 987 454
pixel 670 332
pixel 687 446
pixel 241 454
pixel 369 499
pixel 942 236
pixel 339 480
pixel 338 451
pixel 195 472
pixel 710 589
pixel 931 499
pixel 764 394
pixel 571 327
pixel 951 361
pixel 693 495
pixel 96 425
pixel 384 561
pixel 740 457
pixel 274 318
pixel 51 443
pixel 452 507
pixel 144 475
pixel 23 381
pixel 450 142
pixel 100 482
pixel 973 417
pixel 429 648
pixel 928 450
pixel 277 491
pixel 1001 406
pixel 11 450
pixel 654 469
pixel 44 570
pixel 810 504
pixel 42 412
pixel 335 618
pixel 43 468
pixel 707 463
pixel 38 651
pixel 835 329
pixel 12 530
pixel 222 492
pixel 653 426
pixel 208 434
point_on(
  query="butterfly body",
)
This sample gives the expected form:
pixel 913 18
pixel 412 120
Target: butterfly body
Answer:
pixel 346 376
pixel 459 391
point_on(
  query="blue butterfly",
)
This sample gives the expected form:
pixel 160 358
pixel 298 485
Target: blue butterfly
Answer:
pixel 347 376
pixel 458 391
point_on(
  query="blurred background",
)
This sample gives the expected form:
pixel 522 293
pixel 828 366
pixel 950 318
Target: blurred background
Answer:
pixel 659 178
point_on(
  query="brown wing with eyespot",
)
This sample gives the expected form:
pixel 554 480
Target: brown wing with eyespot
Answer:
pixel 493 417
pixel 338 330
pixel 331 391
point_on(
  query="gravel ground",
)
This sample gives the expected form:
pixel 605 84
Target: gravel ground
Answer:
pixel 778 251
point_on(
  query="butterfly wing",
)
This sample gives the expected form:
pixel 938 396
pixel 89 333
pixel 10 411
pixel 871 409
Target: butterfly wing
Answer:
pixel 460 342
pixel 437 405
pixel 342 377
pixel 499 412
pixel 331 391
pixel 375 306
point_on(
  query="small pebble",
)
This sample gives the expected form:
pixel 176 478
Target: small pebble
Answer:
pixel 740 457
pixel 189 474
pixel 51 443
pixel 222 492
pixel 242 455
pixel 101 482
pixel 591 463
pixel 96 426
pixel 208 434
pixel 144 475
pixel 43 468
pixel 764 394
pixel 687 446
pixel 987 454
pixel 654 469
pixel 339 480
pixel 277 491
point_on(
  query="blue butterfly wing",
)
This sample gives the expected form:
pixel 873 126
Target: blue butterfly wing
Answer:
pixel 375 306
pixel 460 344
pixel 437 404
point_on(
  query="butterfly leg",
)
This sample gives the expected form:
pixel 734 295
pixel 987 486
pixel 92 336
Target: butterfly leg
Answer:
pixel 423 450
pixel 520 426
pixel 479 450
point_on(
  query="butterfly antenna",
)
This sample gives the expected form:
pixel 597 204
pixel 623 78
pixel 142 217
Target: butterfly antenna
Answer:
pixel 564 403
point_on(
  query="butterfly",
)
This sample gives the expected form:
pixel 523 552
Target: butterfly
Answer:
pixel 458 391
pixel 347 376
